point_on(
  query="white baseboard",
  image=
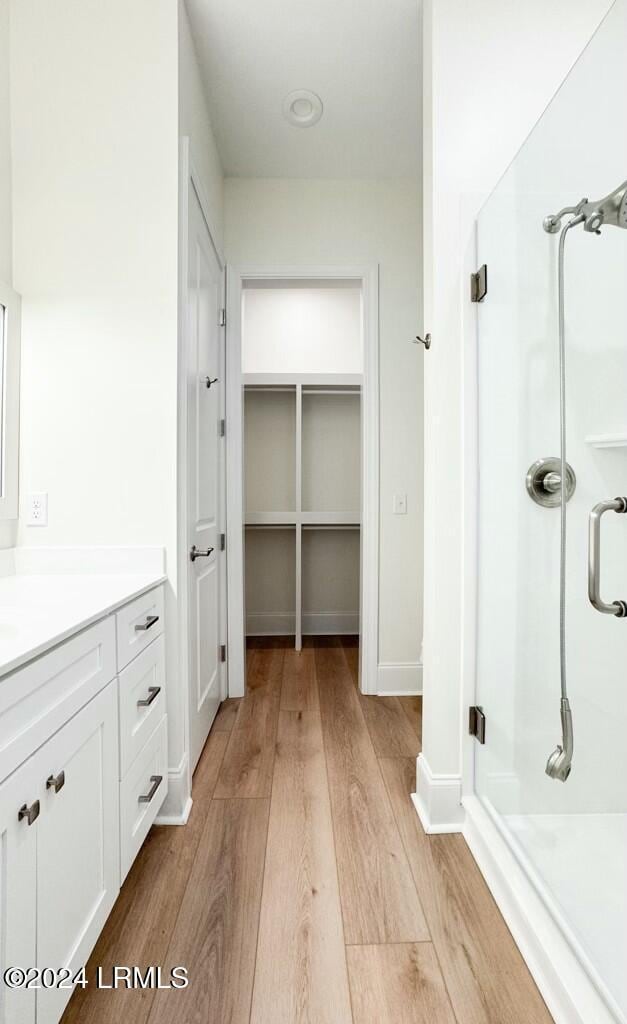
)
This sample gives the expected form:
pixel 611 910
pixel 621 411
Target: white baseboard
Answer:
pixel 399 679
pixel 330 623
pixel 319 624
pixel 178 802
pixel 571 993
pixel 438 800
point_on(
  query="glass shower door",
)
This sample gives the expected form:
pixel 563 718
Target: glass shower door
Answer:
pixel 570 836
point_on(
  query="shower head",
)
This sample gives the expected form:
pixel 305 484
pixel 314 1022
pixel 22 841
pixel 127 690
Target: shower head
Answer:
pixel 560 762
pixel 611 210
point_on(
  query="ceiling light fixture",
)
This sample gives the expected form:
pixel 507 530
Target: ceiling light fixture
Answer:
pixel 302 108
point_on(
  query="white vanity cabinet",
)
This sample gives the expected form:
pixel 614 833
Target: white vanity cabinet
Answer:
pixel 59 828
pixel 83 756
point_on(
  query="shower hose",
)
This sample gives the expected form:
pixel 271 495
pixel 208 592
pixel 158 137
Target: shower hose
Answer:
pixel 558 765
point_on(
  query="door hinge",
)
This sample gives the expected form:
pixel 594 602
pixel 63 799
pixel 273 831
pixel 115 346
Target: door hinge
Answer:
pixel 479 284
pixel 222 541
pixel 476 723
pixel 222 652
pixel 222 318
pixel 222 428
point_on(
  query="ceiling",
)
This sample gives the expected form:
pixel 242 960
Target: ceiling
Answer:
pixel 360 56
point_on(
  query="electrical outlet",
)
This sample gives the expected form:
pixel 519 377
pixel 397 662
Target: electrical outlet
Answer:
pixel 399 505
pixel 37 509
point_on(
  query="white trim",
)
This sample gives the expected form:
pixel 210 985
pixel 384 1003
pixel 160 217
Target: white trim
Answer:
pixel 569 992
pixel 369 599
pixel 180 781
pixel 178 802
pixel 10 402
pixel 399 679
pixel 437 799
pixel 469 442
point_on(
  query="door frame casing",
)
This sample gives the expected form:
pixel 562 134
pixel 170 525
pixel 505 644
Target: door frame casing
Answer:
pixel 367 277
pixel 178 803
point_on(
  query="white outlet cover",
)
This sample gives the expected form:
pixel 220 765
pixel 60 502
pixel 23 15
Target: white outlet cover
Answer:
pixel 37 509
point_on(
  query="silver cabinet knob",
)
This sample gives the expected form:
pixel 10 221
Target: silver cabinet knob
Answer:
pixel 30 813
pixel 56 782
pixel 198 553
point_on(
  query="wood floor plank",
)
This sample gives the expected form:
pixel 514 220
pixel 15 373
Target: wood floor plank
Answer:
pixel 301 972
pixel 398 985
pixel 390 730
pixel 379 900
pixel 412 706
pixel 486 976
pixel 142 921
pixel 227 713
pixel 216 933
pixel 247 766
pixel 299 691
pixel 350 645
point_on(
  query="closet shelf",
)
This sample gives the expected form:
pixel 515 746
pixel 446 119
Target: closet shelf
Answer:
pixel 330 518
pixel 271 519
pixel 302 518
pixel 607 440
pixel 308 380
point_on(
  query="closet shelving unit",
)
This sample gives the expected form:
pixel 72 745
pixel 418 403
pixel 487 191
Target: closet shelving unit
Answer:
pixel 302 503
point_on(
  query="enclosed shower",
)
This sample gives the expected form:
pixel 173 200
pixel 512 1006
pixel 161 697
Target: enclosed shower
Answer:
pixel 552 537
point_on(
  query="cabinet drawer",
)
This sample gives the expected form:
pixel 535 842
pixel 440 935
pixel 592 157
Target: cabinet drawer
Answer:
pixel 142 701
pixel 138 623
pixel 38 699
pixel 142 791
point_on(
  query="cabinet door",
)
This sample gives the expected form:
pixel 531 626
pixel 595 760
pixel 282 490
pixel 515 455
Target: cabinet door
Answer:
pixel 18 888
pixel 78 842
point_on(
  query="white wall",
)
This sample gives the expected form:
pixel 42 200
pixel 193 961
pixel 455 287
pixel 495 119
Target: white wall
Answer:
pixel 300 222
pixel 6 227
pixel 490 69
pixel 95 172
pixel 302 328
pixel 8 529
pixel 95 220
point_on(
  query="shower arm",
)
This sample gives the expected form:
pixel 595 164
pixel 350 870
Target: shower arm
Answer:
pixel 553 222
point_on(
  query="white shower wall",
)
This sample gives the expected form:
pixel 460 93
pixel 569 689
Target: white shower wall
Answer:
pixel 518 666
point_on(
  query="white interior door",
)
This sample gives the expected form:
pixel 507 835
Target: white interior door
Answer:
pixel 205 476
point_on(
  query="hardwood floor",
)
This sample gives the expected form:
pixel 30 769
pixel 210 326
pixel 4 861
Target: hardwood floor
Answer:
pixel 303 889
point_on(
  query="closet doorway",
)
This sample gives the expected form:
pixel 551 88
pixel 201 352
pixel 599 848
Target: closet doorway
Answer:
pixel 302 459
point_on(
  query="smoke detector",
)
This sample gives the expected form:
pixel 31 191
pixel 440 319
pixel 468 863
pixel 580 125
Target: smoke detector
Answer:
pixel 302 108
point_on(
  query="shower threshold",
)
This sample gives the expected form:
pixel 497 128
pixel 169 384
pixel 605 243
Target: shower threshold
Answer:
pixel 581 860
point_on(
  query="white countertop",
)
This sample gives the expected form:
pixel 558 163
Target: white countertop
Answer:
pixel 39 611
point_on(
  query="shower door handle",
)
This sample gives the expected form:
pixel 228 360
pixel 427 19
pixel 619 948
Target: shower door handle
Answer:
pixel 618 608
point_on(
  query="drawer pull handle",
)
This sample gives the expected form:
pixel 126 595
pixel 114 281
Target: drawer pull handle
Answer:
pixel 156 782
pixel 56 782
pixel 30 813
pixel 153 693
pixel 150 621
